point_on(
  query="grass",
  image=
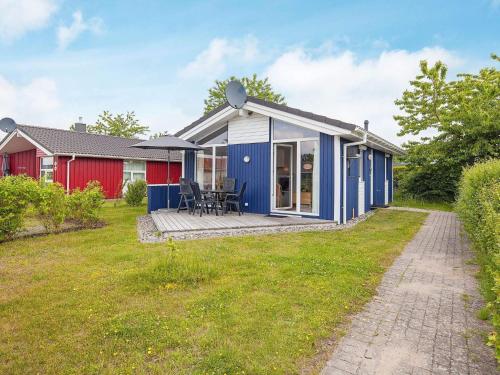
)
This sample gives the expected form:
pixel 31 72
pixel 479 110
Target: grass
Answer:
pixel 98 301
pixel 400 201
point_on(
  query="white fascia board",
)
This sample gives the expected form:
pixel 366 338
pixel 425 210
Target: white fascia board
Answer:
pixel 20 133
pixel 296 120
pixel 219 116
pixel 115 157
pixel 383 145
pixel 7 140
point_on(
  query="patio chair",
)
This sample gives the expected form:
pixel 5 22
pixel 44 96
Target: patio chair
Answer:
pixel 228 185
pixel 202 201
pixel 186 194
pixel 234 199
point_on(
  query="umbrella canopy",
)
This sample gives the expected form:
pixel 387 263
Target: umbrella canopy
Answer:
pixel 168 142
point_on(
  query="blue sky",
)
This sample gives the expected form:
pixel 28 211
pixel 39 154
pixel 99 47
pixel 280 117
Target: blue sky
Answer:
pixel 346 59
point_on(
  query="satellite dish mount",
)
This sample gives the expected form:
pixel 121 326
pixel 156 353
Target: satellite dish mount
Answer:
pixel 7 125
pixel 236 94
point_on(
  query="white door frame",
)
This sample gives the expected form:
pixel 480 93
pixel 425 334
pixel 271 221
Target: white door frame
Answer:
pixel 275 177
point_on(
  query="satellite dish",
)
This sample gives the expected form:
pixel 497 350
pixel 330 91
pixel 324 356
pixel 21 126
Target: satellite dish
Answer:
pixel 7 125
pixel 236 94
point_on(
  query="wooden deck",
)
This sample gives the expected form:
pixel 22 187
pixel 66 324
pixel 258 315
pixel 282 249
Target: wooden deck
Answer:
pixel 170 221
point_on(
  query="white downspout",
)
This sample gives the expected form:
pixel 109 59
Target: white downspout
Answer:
pixel 344 180
pixel 67 172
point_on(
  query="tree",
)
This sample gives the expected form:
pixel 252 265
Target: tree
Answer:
pixel 121 125
pixel 463 115
pixel 158 135
pixel 259 88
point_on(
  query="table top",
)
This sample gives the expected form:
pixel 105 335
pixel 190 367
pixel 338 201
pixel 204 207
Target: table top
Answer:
pixel 217 191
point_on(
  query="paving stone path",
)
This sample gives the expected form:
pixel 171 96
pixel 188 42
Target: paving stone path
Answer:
pixel 423 319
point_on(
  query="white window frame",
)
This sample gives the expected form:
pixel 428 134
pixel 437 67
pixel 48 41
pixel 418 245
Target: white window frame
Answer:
pixel 214 161
pixel 42 170
pixel 297 167
pixel 132 172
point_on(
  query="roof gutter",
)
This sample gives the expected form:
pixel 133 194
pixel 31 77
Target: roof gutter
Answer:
pixel 67 172
pixel 344 180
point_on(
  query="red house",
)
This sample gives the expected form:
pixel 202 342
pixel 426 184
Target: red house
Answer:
pixel 73 158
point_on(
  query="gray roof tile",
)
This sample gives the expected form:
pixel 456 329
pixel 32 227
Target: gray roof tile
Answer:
pixel 60 141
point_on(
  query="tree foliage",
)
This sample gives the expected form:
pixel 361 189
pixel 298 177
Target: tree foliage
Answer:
pixel 120 125
pixel 463 118
pixel 158 135
pixel 259 88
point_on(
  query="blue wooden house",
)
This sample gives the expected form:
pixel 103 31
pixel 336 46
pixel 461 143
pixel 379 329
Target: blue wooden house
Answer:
pixel 294 162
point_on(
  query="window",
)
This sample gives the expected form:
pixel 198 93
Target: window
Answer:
pixel 204 166
pixel 283 130
pixel 210 171
pixel 47 168
pixel 133 170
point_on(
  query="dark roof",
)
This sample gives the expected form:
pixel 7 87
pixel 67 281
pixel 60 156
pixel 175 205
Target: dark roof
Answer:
pixel 68 142
pixel 280 107
pixel 202 118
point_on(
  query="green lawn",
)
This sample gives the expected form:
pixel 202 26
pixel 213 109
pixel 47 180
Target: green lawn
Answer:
pixel 400 201
pixel 97 301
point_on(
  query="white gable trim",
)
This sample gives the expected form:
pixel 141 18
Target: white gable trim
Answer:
pixel 373 140
pixel 295 119
pixel 219 116
pixel 19 133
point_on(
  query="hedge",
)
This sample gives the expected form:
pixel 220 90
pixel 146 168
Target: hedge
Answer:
pixel 51 205
pixel 478 206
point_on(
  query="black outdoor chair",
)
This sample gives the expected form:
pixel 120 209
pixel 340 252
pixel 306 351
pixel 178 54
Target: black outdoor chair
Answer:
pixel 234 199
pixel 202 201
pixel 186 194
pixel 228 185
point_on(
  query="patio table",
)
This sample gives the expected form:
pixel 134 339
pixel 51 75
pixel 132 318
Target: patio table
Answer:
pixel 218 193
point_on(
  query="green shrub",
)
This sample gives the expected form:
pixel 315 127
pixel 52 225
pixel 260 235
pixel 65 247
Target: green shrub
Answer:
pixel 16 193
pixel 50 205
pixel 478 207
pixel 136 191
pixel 84 205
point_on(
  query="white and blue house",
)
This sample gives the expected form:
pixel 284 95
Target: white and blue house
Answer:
pixel 294 162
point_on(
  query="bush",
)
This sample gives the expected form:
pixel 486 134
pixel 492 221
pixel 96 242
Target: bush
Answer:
pixel 16 193
pixel 136 191
pixel 433 184
pixel 50 205
pixel 478 207
pixel 84 205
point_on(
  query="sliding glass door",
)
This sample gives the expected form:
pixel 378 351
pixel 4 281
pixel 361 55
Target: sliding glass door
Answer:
pixel 295 170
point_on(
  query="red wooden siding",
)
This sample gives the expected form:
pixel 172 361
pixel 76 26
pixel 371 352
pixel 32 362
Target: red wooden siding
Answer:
pixel 109 172
pixel 156 172
pixel 1 169
pixel 23 162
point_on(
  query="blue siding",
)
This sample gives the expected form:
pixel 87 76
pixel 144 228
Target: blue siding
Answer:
pixel 257 174
pixel 389 176
pixel 157 197
pixel 366 174
pixel 326 177
pixel 352 188
pixel 189 164
pixel 378 178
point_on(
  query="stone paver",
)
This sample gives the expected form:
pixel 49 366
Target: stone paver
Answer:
pixel 423 319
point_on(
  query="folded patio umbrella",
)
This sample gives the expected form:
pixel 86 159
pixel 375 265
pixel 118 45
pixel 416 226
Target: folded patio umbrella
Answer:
pixel 5 165
pixel 169 143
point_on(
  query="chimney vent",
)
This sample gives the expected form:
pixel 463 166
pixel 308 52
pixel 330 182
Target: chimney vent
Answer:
pixel 366 125
pixel 80 127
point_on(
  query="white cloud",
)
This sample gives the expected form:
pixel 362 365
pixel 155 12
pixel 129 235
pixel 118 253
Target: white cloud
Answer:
pixel 220 53
pixel 20 16
pixel 68 34
pixel 35 102
pixel 346 88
